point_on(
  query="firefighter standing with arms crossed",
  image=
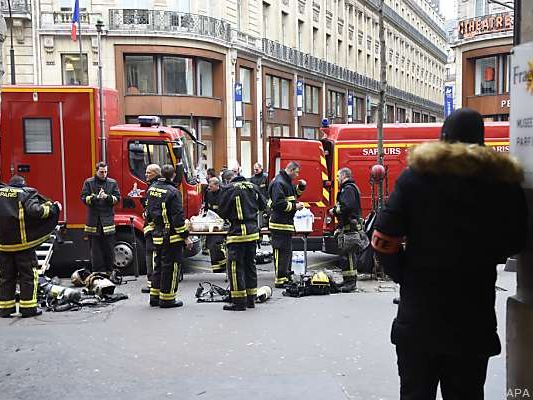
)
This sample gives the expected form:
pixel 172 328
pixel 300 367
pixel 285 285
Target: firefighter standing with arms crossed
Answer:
pixel 215 243
pixel 100 194
pixel 153 173
pixel 26 221
pixel 164 208
pixel 240 203
pixel 283 194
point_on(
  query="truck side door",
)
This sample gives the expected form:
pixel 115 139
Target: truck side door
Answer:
pixel 310 155
pixel 34 147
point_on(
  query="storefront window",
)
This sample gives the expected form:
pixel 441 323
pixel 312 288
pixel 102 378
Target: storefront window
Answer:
pixel 205 78
pixel 177 75
pixel 140 74
pixel 485 78
pixel 74 70
pixel 245 76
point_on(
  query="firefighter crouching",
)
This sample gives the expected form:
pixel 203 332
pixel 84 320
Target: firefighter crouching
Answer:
pixel 100 194
pixel 283 194
pixel 348 213
pixel 239 204
pixel 26 221
pixel 215 243
pixel 153 172
pixel 164 208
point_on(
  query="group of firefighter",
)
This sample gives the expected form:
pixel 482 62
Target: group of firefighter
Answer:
pixel 28 219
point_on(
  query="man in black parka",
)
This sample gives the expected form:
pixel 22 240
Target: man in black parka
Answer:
pixel 459 208
pixel 100 194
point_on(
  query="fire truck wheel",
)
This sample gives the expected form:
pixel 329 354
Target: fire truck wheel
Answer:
pixel 124 260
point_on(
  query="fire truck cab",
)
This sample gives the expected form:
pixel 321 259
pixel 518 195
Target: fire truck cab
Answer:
pixel 355 146
pixel 51 136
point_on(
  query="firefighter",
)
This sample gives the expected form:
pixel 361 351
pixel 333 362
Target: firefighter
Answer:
pixel 153 173
pixel 100 194
pixel 26 221
pixel 164 208
pixel 348 213
pixel 239 204
pixel 215 243
pixel 283 194
pixel 260 179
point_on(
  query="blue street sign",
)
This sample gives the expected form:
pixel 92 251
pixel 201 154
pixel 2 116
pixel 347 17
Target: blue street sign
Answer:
pixel 238 91
pixel 448 100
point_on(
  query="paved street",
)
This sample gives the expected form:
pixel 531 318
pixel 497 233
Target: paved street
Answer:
pixel 330 347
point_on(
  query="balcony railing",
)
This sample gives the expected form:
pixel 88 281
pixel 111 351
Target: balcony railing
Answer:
pixel 134 20
pixel 63 19
pixel 17 7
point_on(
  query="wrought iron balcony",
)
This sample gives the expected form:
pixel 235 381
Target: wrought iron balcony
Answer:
pixel 150 21
pixel 19 8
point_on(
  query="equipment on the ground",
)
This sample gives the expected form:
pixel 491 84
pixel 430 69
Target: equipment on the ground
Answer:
pixel 210 293
pixel 263 256
pixel 312 283
pixel 263 294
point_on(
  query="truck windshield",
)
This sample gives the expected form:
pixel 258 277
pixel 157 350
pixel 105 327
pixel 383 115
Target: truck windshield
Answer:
pixel 186 159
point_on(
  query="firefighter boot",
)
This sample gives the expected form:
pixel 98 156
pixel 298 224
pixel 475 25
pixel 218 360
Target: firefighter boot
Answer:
pixel 170 303
pixel 154 301
pixel 349 284
pixel 35 312
pixel 146 289
pixel 239 305
pixel 250 301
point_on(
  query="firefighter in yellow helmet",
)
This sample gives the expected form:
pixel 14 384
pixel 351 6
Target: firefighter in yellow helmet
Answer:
pixel 26 221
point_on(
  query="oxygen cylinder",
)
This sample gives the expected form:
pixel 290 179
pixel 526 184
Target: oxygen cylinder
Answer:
pixel 263 294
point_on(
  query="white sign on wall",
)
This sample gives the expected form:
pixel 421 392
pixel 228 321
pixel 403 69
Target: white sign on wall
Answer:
pixel 521 120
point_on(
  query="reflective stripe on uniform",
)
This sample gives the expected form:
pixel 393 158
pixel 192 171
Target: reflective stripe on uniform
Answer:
pixel 46 210
pixel 22 224
pixel 289 207
pixel 180 229
pixel 88 199
pixel 115 200
pixel 7 304
pixel 281 227
pixel 23 246
pixel 154 292
pixel 251 292
pixel 28 303
pixel 290 198
pixel 233 267
pixel 238 294
pixel 241 239
pixel 90 229
pixel 149 228
pixel 108 229
pixel 175 239
pixel 167 296
pixel 239 208
pixel 165 215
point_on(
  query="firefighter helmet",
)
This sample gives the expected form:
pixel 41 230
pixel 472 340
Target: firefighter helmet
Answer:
pixel 79 276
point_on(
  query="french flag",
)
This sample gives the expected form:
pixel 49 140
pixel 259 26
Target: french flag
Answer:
pixel 75 20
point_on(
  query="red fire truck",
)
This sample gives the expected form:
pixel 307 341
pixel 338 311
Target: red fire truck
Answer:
pixel 50 135
pixel 355 146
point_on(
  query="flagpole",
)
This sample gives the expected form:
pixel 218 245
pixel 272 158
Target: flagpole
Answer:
pixel 81 52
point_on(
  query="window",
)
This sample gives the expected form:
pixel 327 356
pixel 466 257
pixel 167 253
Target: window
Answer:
pixel 140 74
pixel 485 78
pixel 37 135
pixel 246 148
pixel 481 7
pixel 245 77
pixel 141 154
pixel 204 78
pixel 277 92
pixel 335 104
pixel 359 115
pixel 177 75
pixel 310 133
pixel 400 114
pixel 315 42
pixel 389 114
pixel 266 13
pixel 74 70
pixel 504 73
pixel 300 34
pixel 285 94
pixel 284 24
pixel 311 99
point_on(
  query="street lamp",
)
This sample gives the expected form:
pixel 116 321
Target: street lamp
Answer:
pixel 11 49
pixel 99 29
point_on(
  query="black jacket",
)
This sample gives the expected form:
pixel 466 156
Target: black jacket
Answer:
pixel 26 218
pixel 212 200
pixel 461 210
pixel 164 208
pixel 348 206
pixel 282 194
pixel 100 210
pixel 239 204
pixel 261 181
pixel 148 226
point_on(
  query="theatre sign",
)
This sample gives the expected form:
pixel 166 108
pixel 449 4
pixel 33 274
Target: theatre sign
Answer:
pixel 470 28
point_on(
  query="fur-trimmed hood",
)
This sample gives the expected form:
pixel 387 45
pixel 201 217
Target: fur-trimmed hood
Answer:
pixel 465 160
